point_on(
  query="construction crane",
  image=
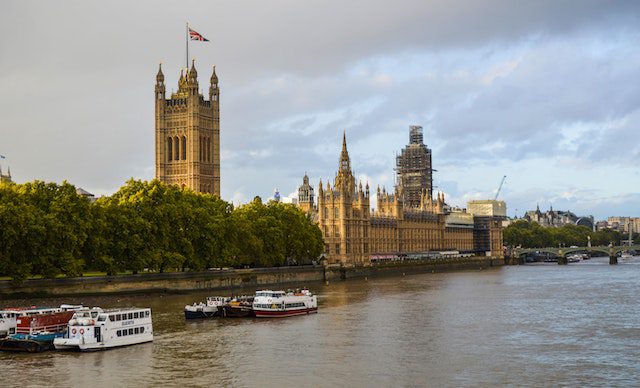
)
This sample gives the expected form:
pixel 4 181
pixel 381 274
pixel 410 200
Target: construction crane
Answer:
pixel 500 187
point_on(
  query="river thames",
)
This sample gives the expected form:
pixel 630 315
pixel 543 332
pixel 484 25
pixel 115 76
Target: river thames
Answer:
pixel 532 325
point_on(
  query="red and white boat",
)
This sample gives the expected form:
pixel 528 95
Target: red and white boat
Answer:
pixel 274 304
pixel 12 317
pixel 33 329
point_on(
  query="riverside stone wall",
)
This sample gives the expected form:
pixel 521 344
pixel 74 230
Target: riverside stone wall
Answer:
pixel 233 279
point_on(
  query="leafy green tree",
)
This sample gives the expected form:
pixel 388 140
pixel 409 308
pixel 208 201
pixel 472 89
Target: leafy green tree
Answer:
pixel 48 229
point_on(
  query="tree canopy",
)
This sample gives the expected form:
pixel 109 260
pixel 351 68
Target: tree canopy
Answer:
pixel 48 229
pixel 532 235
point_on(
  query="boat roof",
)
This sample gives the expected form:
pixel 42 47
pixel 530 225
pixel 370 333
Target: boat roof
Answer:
pixel 124 309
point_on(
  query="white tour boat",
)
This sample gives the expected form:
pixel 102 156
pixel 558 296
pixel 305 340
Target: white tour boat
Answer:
pixel 97 329
pixel 267 303
pixel 206 310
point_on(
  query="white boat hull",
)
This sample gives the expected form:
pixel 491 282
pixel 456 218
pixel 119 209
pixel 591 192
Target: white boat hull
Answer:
pixel 83 346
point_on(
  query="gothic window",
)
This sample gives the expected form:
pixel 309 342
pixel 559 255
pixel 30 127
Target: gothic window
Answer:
pixel 176 149
pixel 208 149
pixel 200 149
pixel 326 212
pixel 335 212
pixel 169 149
pixel 337 249
pixel 184 148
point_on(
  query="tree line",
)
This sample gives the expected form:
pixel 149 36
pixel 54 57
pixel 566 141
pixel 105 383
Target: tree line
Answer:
pixel 48 229
pixel 532 235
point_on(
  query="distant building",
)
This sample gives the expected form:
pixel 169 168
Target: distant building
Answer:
pixel 86 194
pixel 188 134
pixel 486 213
pixel 622 224
pixel 487 208
pixel 5 178
pixel 558 218
pixel 414 170
pixel 306 195
pixel 276 195
pixel 355 234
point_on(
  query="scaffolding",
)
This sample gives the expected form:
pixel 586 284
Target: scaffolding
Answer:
pixel 414 170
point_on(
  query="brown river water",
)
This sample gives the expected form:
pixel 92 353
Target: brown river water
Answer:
pixel 532 325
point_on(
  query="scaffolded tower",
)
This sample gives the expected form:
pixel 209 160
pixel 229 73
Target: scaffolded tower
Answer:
pixel 414 170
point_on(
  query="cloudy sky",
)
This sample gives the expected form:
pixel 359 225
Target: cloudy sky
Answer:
pixel 545 92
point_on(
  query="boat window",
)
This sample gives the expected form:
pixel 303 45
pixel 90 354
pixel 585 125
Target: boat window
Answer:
pixel 141 330
pixel 102 318
pixel 118 317
pixel 94 314
pixel 130 331
pixel 118 333
pixel 130 315
pixel 135 315
pixel 112 318
pixel 146 313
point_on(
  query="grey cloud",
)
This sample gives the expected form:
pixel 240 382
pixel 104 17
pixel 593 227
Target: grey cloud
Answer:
pixel 78 83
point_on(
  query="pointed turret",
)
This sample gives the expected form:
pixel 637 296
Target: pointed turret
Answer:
pixel 160 88
pixel 160 75
pixel 193 73
pixel 214 77
pixel 214 91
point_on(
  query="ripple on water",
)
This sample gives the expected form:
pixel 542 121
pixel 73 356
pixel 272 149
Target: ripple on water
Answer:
pixel 530 325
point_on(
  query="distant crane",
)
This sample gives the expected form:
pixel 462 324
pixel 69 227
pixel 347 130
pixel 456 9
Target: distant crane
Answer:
pixel 500 187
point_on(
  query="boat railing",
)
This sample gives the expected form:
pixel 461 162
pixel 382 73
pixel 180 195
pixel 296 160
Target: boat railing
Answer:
pixel 37 329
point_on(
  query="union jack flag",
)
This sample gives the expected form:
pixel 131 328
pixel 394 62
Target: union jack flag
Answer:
pixel 193 35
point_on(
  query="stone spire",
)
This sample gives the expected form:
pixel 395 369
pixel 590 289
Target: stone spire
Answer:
pixel 160 75
pixel 345 163
pixel 193 73
pixel 160 88
pixel 214 77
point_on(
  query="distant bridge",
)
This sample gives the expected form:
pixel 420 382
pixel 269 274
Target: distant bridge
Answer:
pixel 612 252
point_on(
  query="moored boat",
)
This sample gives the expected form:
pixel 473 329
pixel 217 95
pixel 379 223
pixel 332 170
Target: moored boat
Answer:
pixel 626 256
pixel 36 328
pixel 100 329
pixel 8 321
pixel 209 309
pixel 575 258
pixel 238 307
pixel 272 304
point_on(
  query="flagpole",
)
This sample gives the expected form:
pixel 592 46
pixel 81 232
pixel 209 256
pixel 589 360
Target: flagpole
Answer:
pixel 187 43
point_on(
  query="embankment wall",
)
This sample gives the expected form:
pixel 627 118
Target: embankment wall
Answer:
pixel 232 279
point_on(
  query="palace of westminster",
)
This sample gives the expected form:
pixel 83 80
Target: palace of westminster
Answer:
pixel 409 220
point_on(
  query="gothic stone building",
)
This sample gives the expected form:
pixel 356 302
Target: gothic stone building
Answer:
pixel 354 234
pixel 188 134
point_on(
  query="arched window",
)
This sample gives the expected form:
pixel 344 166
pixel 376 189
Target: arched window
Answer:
pixel 200 153
pixel 184 148
pixel 176 149
pixel 169 149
